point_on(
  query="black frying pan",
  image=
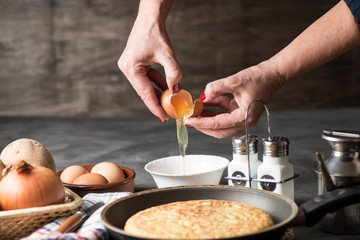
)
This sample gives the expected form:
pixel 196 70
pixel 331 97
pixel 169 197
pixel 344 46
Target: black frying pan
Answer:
pixel 284 212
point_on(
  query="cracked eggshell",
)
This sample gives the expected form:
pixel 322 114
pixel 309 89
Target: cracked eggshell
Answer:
pixel 169 108
pixel 198 108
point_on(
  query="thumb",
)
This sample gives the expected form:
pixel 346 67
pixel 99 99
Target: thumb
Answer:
pixel 215 89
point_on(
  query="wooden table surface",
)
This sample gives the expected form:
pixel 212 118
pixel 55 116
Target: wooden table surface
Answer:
pixel 132 142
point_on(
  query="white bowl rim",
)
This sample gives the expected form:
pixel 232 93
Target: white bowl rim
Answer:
pixel 186 175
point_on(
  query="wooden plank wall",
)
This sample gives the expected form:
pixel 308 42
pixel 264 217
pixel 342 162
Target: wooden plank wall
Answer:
pixel 59 58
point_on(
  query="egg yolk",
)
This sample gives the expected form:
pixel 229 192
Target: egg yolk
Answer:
pixel 183 107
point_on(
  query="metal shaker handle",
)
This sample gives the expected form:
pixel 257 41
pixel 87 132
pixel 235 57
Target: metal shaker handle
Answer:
pixel 247 131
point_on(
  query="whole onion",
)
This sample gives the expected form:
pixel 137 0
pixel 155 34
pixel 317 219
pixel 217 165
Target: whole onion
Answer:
pixel 25 186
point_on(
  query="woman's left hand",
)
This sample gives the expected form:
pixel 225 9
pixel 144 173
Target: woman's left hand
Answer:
pixel 257 82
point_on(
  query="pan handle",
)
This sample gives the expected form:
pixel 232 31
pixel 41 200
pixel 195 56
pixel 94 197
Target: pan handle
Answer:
pixel 315 209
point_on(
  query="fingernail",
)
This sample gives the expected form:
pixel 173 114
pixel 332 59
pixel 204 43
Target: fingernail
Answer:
pixel 159 119
pixel 202 96
pixel 176 87
pixel 187 125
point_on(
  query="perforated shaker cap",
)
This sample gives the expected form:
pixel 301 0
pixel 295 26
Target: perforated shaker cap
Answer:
pixel 276 147
pixel 239 144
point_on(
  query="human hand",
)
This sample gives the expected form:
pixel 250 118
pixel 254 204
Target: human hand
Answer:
pixel 149 44
pixel 331 35
pixel 259 81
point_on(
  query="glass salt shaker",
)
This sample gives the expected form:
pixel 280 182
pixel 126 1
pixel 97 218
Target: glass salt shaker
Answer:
pixel 276 168
pixel 239 166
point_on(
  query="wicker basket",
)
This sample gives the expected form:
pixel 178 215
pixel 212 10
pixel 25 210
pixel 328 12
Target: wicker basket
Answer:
pixel 15 224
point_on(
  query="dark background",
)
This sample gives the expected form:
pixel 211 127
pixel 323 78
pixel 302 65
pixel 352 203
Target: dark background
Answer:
pixel 59 58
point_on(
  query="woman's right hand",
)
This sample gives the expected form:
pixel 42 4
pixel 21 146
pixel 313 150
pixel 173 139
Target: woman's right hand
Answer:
pixel 149 44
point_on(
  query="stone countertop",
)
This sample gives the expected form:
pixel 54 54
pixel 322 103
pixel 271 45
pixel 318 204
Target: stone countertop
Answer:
pixel 132 142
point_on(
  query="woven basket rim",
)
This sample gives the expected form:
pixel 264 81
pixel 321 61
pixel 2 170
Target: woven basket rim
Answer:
pixel 75 202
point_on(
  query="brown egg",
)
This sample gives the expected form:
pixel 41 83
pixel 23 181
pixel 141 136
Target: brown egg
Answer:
pixel 111 171
pixel 71 173
pixel 180 104
pixel 90 179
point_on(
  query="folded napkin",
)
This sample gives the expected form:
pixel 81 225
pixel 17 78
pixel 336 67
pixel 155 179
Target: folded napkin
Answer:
pixel 91 229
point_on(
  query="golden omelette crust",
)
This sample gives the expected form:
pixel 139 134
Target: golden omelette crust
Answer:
pixel 199 219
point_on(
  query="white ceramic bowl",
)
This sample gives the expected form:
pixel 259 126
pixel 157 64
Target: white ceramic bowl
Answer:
pixel 199 170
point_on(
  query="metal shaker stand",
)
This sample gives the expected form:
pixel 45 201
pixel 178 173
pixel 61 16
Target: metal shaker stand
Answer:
pixel 250 179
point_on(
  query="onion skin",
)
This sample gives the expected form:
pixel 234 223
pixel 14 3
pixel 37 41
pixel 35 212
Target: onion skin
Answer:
pixel 2 166
pixel 25 186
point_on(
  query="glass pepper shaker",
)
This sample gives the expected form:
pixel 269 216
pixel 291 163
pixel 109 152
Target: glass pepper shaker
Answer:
pixel 276 168
pixel 239 166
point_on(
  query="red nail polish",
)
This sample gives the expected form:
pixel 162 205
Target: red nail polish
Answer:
pixel 187 125
pixel 159 119
pixel 176 87
pixel 202 96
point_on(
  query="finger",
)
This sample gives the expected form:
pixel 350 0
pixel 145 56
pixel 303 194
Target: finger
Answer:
pixel 217 88
pixel 172 70
pixel 206 113
pixel 142 85
pixel 157 78
pixel 218 133
pixel 219 121
pixel 158 93
pixel 225 132
pixel 220 101
pixel 222 133
pixel 233 105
